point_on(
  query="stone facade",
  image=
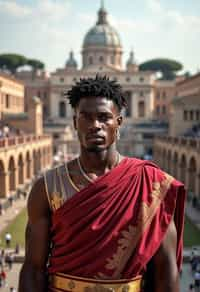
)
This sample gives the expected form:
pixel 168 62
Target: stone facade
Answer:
pixel 21 158
pixel 180 157
pixel 36 84
pixel 164 92
pixel 179 153
pixel 24 150
pixel 11 95
pixel 185 109
pixel 30 121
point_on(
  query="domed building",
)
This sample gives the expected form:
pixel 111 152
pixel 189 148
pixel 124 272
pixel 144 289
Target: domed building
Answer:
pixel 102 44
pixel 102 53
pixel 71 62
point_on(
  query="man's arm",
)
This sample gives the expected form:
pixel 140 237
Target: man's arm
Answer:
pixel 164 275
pixel 33 273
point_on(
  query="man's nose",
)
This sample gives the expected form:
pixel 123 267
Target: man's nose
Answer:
pixel 95 124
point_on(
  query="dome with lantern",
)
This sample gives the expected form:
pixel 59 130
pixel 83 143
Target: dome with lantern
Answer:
pixel 102 44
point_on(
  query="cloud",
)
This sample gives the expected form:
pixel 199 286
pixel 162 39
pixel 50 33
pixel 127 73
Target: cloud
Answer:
pixel 54 10
pixel 126 25
pixel 14 9
pixel 44 10
pixel 154 6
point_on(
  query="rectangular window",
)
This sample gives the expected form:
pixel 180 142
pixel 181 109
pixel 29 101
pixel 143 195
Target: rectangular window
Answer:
pixel 7 101
pixel 197 115
pixel 191 115
pixel 158 110
pixel 185 115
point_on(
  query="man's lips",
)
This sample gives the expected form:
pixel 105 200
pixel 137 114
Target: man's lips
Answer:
pixel 93 136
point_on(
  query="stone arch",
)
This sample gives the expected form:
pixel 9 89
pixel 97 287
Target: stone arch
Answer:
pixel 192 175
pixel 39 159
pixel 183 168
pixel 175 164
pixel 62 109
pixel 90 60
pixel 2 180
pixel 34 162
pixel 20 169
pixel 141 109
pixel 28 165
pixel 12 170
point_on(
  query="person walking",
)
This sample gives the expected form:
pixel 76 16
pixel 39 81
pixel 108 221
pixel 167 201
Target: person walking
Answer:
pixel 8 238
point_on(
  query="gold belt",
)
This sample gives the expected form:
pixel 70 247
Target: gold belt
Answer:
pixel 76 284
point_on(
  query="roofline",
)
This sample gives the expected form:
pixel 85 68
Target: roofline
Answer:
pixel 189 79
pixel 11 78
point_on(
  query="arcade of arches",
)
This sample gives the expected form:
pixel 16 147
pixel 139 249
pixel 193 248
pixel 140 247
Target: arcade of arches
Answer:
pixel 180 157
pixel 21 160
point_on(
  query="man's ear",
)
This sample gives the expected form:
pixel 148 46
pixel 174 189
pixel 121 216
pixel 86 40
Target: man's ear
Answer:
pixel 75 122
pixel 119 120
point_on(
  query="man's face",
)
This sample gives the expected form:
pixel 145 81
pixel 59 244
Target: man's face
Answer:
pixel 96 121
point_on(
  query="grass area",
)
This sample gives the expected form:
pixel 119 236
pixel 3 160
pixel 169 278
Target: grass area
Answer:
pixel 191 234
pixel 17 229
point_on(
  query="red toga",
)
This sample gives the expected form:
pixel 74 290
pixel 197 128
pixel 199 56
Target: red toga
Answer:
pixel 112 228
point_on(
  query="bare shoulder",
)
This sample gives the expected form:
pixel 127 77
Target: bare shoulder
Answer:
pixel 169 244
pixel 38 204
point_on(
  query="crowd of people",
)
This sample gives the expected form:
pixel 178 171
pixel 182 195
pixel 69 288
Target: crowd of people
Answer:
pixel 195 269
pixel 7 131
pixel 6 263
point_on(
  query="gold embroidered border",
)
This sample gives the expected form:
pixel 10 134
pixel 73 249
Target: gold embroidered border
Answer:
pixel 130 237
pixel 76 284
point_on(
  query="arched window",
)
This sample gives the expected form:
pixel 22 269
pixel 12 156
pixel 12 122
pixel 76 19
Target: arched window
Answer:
pixel 157 110
pixel 90 60
pixel 7 101
pixel 185 115
pixel 62 109
pixel 164 109
pixel 197 115
pixel 112 59
pixel 101 59
pixel 191 115
pixel 141 109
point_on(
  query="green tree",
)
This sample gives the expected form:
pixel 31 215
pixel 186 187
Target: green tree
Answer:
pixel 167 67
pixel 35 64
pixel 12 62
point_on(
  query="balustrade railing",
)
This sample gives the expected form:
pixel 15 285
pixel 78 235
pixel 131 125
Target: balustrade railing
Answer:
pixel 22 139
pixel 180 141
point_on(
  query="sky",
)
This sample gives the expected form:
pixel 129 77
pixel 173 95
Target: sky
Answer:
pixel 49 29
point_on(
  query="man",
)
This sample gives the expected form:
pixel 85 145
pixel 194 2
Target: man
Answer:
pixel 8 238
pixel 103 221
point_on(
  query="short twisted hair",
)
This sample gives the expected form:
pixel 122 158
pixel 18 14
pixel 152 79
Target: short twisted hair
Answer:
pixel 100 86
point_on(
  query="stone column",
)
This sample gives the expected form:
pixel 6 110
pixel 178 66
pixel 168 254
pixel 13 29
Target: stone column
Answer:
pixel 5 181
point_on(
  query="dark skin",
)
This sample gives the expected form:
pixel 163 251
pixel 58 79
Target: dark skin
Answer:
pixel 96 121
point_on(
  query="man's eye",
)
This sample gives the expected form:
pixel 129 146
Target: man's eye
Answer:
pixel 103 118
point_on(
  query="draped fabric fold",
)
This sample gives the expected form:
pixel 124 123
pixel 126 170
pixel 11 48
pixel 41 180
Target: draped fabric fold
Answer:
pixel 113 227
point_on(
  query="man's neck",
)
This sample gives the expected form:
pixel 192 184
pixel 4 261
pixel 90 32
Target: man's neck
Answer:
pixel 99 162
